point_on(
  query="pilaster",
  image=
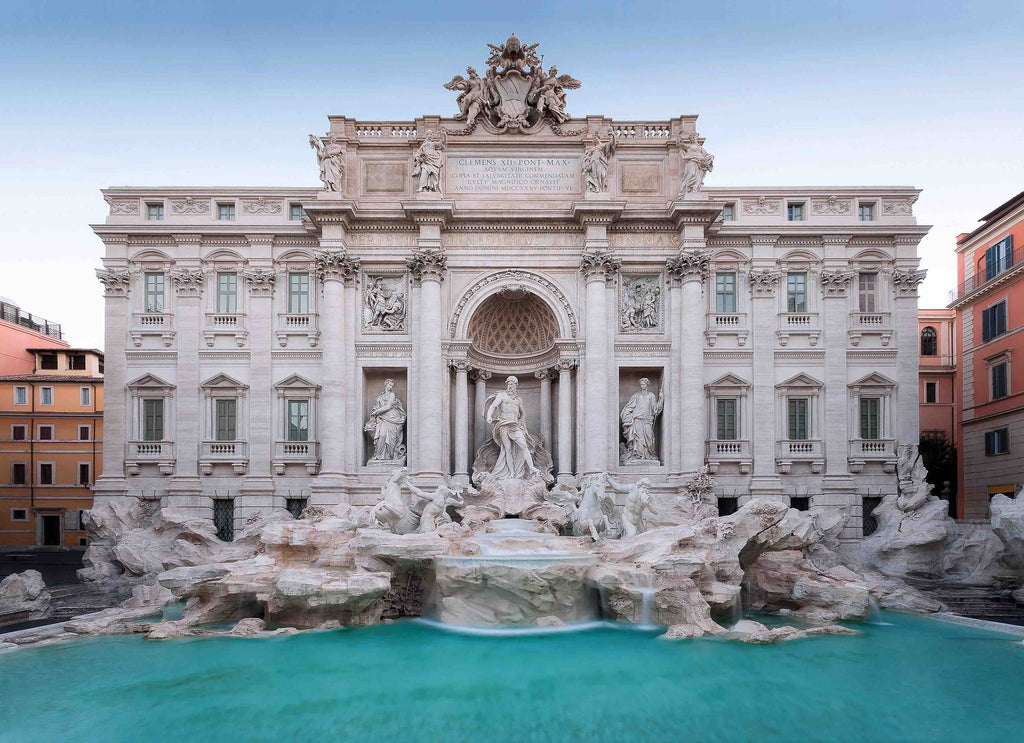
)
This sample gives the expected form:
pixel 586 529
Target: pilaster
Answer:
pixel 764 281
pixel 117 313
pixel 259 281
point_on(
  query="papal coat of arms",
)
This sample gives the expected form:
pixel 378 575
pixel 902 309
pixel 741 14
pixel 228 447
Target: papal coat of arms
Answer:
pixel 516 93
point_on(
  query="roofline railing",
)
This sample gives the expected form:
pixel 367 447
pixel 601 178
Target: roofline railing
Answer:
pixel 978 280
pixel 15 315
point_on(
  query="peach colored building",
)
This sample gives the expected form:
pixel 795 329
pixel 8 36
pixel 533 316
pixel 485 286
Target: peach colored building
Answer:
pixel 20 331
pixel 51 444
pixel 989 305
pixel 938 372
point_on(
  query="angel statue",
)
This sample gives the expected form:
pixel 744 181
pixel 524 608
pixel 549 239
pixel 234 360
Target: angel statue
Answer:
pixel 697 163
pixel 548 93
pixel 474 96
pixel 331 157
pixel 428 161
pixel 595 164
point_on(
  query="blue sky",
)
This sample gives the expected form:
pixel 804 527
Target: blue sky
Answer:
pixel 789 93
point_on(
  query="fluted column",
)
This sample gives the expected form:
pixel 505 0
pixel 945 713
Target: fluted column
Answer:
pixel 333 267
pixel 545 408
pixel 598 268
pixel 565 422
pixel 690 268
pixel 479 397
pixel 461 368
pixel 428 268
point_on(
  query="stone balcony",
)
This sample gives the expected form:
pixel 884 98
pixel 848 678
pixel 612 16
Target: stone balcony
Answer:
pixel 863 451
pixel 160 324
pixel 290 324
pixel 727 323
pixel 157 453
pixel 733 451
pixel 306 453
pixel 233 453
pixel 225 323
pixel 870 323
pixel 790 451
pixel 799 323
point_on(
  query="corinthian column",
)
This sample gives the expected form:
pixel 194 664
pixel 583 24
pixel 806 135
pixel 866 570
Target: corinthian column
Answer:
pixel 427 268
pixel 333 267
pixel 545 408
pixel 565 419
pixel 117 286
pixel 479 398
pixel 598 268
pixel 461 368
pixel 690 269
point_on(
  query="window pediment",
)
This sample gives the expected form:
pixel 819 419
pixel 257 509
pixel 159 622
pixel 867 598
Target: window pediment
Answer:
pixel 728 383
pixel 150 382
pixel 297 383
pixel 800 383
pixel 873 381
pixel 224 383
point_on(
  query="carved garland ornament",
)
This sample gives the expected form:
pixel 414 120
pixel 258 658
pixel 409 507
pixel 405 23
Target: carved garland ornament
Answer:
pixel 336 265
pixel 905 282
pixel 836 283
pixel 261 205
pixel 689 265
pixel 831 205
pixel 763 205
pixel 191 205
pixel 514 279
pixel 116 283
pixel 117 206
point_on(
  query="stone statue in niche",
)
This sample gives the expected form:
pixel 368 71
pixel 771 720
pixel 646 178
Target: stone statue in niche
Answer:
pixel 697 163
pixel 641 304
pixel 331 158
pixel 387 423
pixel 385 305
pixel 596 159
pixel 428 161
pixel 638 418
pixel 507 418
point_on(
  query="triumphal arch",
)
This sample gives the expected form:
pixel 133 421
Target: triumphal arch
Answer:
pixel 273 348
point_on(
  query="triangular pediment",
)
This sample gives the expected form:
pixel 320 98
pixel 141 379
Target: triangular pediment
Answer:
pixel 874 380
pixel 296 382
pixel 150 382
pixel 223 381
pixel 729 381
pixel 801 380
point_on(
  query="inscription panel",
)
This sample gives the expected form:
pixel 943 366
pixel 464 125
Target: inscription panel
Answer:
pixel 513 174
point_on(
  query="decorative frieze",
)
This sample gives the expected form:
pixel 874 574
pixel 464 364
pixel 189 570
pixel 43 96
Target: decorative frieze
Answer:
pixel 261 205
pixel 643 350
pixel 599 264
pixel 127 207
pixel 762 206
pixel 190 205
pixel 427 265
pixel 336 265
pixel 187 282
pixel 689 265
pixel 116 283
pixel 836 283
pixel 260 281
pixel 906 281
pixel 832 205
pixel 763 283
pixel 898 207
pixel 383 350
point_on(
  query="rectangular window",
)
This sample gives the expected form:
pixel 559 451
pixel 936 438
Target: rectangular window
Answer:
pixel 46 473
pixel 154 291
pixel 800 502
pixel 83 474
pixel 155 212
pixel 726 414
pixel 19 473
pixel 796 292
pixel 728 212
pixel 224 519
pixel 298 420
pixel 870 420
pixel 153 420
pixel 296 506
pixel 225 211
pixel 85 396
pixel 866 212
pixel 48 361
pixel 76 362
pixel 227 292
pixel 295 211
pixel 225 424
pixel 997 442
pixel 999 257
pixel 46 395
pixel 1000 380
pixel 931 392
pixel 993 321
pixel 18 433
pixel 45 433
pixel 84 433
pixel 21 395
pixel 725 292
pixel 867 291
pixel 19 514
pixel 298 293
pixel 728 506
pixel 795 212
pixel 797 418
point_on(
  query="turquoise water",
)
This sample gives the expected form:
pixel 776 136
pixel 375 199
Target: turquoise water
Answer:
pixel 913 680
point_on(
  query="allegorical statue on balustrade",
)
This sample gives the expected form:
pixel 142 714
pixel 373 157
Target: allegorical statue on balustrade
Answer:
pixel 387 423
pixel 697 163
pixel 428 161
pixel 331 158
pixel 638 418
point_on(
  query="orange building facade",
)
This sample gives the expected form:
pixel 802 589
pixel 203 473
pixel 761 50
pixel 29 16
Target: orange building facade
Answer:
pixel 937 329
pixel 20 331
pixel 989 331
pixel 51 444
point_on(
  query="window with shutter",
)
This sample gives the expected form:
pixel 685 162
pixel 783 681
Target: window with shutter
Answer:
pixel 153 420
pixel 726 413
pixel 869 418
pixel 1000 380
pixel 797 415
pixel 867 291
pixel 226 427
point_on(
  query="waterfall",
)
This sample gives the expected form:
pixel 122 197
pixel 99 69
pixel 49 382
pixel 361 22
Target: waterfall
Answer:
pixel 646 606
pixel 736 613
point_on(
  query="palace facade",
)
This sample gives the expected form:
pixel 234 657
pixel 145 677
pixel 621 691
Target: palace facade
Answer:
pixel 250 332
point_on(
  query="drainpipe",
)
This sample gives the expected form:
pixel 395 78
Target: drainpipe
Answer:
pixel 32 449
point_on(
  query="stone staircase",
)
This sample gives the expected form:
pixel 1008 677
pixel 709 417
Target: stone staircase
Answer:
pixel 71 599
pixel 992 604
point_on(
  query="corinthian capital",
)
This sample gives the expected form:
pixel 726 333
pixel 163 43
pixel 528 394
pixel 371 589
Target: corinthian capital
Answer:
pixel 261 282
pixel 336 265
pixel 836 283
pixel 115 283
pixel 763 283
pixel 689 265
pixel 906 281
pixel 599 264
pixel 427 265
pixel 187 282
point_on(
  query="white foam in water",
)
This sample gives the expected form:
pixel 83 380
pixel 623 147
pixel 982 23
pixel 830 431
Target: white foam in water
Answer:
pixel 462 629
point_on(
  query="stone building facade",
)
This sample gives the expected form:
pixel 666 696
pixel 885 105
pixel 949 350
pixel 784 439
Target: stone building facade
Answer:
pixel 249 332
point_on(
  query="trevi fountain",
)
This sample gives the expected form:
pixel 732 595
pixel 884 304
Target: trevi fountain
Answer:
pixel 554 585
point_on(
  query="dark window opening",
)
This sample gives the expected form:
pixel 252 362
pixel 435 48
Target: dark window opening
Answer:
pixel 51 531
pixel 997 442
pixel 17 433
pixel 728 506
pixel 929 342
pixel 224 519
pixel 800 503
pixel 46 433
pixel 48 361
pixel 296 506
pixel 83 474
pixel 19 474
pixel 78 362
pixel 930 392
pixel 869 504
pixel 46 474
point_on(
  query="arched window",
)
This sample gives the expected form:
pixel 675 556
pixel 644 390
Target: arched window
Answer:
pixel 929 342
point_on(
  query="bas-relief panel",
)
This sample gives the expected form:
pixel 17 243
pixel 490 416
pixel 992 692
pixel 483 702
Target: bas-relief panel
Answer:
pixel 641 303
pixel 385 307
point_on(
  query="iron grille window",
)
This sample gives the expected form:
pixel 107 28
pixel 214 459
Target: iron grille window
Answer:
pixel 800 503
pixel 726 414
pixel 45 433
pixel 224 519
pixel 296 506
pixel 929 342
pixel 725 292
pixel 227 292
pixel 728 506
pixel 796 292
pixel 868 505
pixel 298 293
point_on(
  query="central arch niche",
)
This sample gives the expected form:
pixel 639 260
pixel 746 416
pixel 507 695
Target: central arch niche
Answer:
pixel 513 325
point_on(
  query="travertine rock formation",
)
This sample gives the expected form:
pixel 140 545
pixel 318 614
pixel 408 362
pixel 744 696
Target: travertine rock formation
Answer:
pixel 23 596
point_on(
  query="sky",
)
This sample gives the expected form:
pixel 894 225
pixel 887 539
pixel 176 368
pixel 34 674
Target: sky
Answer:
pixel 182 93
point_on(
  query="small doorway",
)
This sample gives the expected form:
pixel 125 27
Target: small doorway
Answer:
pixel 51 530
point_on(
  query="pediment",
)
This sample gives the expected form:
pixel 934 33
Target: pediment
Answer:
pixel 729 381
pixel 224 382
pixel 802 381
pixel 150 382
pixel 874 380
pixel 296 382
